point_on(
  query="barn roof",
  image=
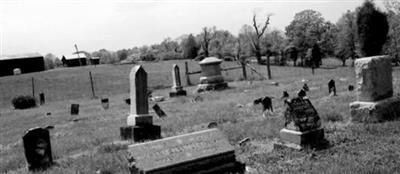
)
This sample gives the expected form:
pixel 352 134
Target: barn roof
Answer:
pixel 20 56
pixel 75 56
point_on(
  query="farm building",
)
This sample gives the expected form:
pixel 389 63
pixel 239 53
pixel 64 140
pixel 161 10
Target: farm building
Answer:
pixel 74 60
pixel 95 60
pixel 26 63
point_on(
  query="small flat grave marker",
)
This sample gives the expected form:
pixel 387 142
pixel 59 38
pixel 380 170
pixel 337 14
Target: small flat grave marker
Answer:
pixel 105 103
pixel 199 152
pixel 37 149
pixel 332 87
pixel 41 99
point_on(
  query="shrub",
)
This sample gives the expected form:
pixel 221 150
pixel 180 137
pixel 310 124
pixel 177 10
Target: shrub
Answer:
pixel 170 55
pixel 24 102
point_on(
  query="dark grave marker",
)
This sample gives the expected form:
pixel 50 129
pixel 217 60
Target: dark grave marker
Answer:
pixel 105 103
pixel 199 152
pixel 74 109
pixel 332 87
pixel 212 125
pixel 159 111
pixel 302 124
pixel 41 99
pixel 351 87
pixel 285 94
pixel 305 87
pixel 302 93
pixel 37 148
pixel 266 103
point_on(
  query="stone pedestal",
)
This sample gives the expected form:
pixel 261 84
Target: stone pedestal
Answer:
pixel 374 91
pixel 301 140
pixel 386 109
pixel 140 133
pixel 211 76
pixel 177 91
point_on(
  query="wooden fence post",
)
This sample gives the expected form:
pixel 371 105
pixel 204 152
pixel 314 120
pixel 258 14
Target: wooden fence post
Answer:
pixel 91 83
pixel 187 74
pixel 33 87
pixel 244 70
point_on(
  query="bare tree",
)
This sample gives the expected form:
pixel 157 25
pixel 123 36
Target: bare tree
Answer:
pixel 207 35
pixel 259 32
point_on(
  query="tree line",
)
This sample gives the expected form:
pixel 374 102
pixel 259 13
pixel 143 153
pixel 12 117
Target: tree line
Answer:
pixel 365 31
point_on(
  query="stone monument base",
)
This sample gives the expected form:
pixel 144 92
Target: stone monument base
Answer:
pixel 300 140
pixel 211 86
pixel 378 111
pixel 140 133
pixel 177 93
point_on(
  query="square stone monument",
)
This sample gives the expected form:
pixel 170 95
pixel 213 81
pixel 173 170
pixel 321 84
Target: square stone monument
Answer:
pixel 375 101
pixel 302 125
pixel 140 123
pixel 176 89
pixel 37 149
pixel 211 76
pixel 206 152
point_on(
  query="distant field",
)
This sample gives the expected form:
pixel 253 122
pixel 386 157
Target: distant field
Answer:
pixel 85 146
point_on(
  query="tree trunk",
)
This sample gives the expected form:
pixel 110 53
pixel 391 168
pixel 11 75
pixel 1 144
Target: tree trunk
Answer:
pixel 258 57
pixel 269 68
pixel 343 62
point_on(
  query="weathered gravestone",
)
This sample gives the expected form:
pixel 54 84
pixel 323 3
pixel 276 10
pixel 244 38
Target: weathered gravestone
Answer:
pixel 302 125
pixel 37 149
pixel 176 89
pixel 332 87
pixel 105 103
pixel 159 111
pixel 74 109
pixel 374 91
pixel 211 76
pixel 41 99
pixel 140 123
pixel 199 152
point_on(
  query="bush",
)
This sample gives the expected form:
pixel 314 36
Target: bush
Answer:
pixel 24 102
pixel 170 55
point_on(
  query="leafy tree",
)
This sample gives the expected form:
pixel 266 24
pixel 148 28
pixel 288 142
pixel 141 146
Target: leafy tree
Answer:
pixel 122 54
pixel 49 61
pixel 223 44
pixel 190 47
pixel 305 30
pixel 392 46
pixel 372 28
pixel 346 37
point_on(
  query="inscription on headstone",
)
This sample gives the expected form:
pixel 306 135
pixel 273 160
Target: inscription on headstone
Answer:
pixel 300 115
pixel 37 149
pixel 189 153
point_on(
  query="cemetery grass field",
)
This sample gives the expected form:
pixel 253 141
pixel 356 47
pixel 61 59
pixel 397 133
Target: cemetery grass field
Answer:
pixel 90 142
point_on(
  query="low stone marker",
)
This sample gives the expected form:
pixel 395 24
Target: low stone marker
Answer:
pixel 211 76
pixel 159 111
pixel 140 123
pixel 305 87
pixel 375 101
pixel 37 148
pixel 302 125
pixel 204 152
pixel 105 103
pixel 41 99
pixel 285 94
pixel 176 89
pixel 74 109
pixel 332 87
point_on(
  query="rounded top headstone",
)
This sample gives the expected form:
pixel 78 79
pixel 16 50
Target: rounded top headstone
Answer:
pixel 210 60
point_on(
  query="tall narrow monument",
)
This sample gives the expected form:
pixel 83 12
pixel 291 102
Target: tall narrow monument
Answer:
pixel 140 123
pixel 176 89
pixel 375 101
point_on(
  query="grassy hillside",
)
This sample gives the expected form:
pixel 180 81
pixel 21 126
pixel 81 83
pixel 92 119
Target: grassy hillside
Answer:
pixel 90 142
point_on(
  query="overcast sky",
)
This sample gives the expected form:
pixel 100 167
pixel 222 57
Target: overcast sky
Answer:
pixel 54 26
